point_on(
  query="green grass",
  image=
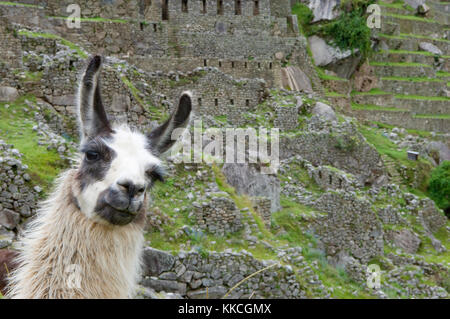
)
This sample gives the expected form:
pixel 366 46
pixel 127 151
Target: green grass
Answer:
pixel 375 91
pixel 432 116
pixel 409 79
pixel 67 43
pixel 420 97
pixel 425 53
pixel 400 64
pixel 334 94
pixel 321 73
pixel 403 36
pixel 424 134
pixel 442 74
pixel 395 5
pixel 18 4
pixel 16 128
pixel 409 17
pixel 96 19
pixel 371 107
pixel 386 147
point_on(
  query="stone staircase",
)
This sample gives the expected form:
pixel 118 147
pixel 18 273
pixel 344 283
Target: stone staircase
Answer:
pixel 391 169
pixel 413 85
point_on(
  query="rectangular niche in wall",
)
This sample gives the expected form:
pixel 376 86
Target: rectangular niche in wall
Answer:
pixel 184 6
pixel 256 8
pixel 220 7
pixel 237 7
pixel 165 9
pixel 203 6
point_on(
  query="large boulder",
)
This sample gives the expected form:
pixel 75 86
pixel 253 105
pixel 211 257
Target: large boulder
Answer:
pixel 415 3
pixel 343 63
pixel 325 54
pixel 324 9
pixel 429 47
pixel 8 94
pixel 325 111
pixel 156 261
pixel 247 179
pixel 406 240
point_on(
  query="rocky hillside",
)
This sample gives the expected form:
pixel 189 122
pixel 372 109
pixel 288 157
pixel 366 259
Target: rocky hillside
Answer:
pixel 364 132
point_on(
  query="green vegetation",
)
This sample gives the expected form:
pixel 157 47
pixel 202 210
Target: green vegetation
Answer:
pixel 16 127
pixel 420 97
pixel 396 5
pixel 409 17
pixel 334 94
pixel 439 185
pixel 96 19
pixel 386 147
pixel 304 16
pixel 374 91
pixel 67 43
pixel 400 64
pixel 348 32
pixel 7 3
pixel 426 53
pixel 409 79
pixel 442 74
pixel 405 36
pixel 321 73
pixel 372 107
pixel 432 116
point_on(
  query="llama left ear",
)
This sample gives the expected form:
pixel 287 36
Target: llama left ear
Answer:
pixel 161 138
pixel 92 115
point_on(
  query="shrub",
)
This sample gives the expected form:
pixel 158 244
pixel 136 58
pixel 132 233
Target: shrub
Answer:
pixel 439 186
pixel 350 32
pixel 304 16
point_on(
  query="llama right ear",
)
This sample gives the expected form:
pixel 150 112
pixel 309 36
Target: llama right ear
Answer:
pixel 92 115
pixel 160 138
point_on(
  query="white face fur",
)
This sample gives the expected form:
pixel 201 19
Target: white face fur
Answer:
pixel 118 165
pixel 132 161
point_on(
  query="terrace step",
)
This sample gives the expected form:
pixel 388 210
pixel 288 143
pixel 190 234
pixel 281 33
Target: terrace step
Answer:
pixel 373 99
pixel 413 24
pixel 391 168
pixel 422 106
pixel 405 56
pixel 413 86
pixel 404 119
pixel 403 69
pixel 411 42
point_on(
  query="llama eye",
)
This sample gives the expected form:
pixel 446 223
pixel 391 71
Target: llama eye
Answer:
pixel 92 156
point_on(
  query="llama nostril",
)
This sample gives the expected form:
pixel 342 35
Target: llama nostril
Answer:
pixel 130 189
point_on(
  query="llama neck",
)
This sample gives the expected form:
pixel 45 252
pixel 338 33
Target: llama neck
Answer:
pixel 67 255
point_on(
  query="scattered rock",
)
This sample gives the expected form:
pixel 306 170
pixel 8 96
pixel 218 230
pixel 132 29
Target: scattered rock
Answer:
pixel 325 111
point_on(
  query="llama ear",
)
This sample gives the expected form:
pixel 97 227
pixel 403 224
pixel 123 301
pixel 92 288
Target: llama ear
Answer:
pixel 92 115
pixel 161 137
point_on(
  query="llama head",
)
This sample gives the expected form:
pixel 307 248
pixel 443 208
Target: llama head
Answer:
pixel 118 164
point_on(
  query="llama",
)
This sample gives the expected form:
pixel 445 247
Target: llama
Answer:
pixel 87 238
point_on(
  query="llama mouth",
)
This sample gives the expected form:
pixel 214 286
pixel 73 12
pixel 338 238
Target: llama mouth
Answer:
pixel 115 216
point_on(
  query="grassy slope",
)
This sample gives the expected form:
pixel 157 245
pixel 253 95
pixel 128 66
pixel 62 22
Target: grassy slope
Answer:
pixel 16 128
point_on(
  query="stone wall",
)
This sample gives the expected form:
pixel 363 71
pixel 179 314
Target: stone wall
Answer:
pixel 218 216
pixel 350 225
pixel 18 198
pixel 189 274
pixel 286 118
pixel 342 147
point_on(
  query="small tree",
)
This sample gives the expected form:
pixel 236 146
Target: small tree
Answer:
pixel 439 186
